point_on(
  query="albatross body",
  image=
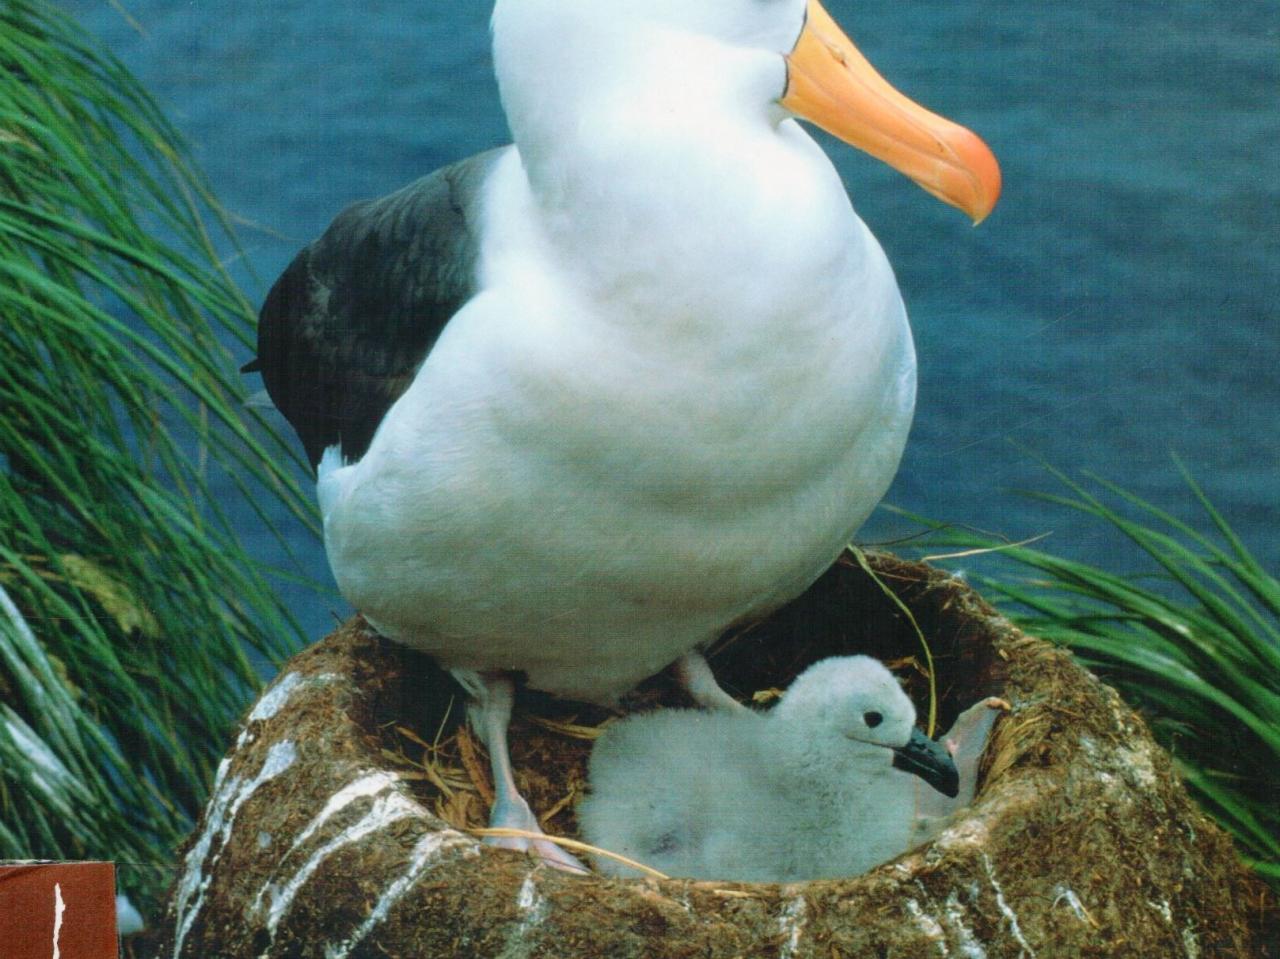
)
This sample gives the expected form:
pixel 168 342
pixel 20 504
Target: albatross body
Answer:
pixel 579 404
pixel 607 459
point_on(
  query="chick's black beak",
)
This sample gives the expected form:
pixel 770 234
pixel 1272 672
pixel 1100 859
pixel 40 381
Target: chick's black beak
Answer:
pixel 922 757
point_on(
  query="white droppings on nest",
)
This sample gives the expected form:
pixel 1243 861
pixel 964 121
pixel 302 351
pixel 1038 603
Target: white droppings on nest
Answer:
pixel 1190 939
pixel 1103 763
pixel 429 850
pixel 1010 916
pixel 1132 765
pixel 229 794
pixel 528 898
pixel 1137 766
pixel 384 811
pixel 969 946
pixel 928 926
pixel 1065 894
pixel 1191 943
pixel 970 832
pixel 902 869
pixel 367 785
pixel 273 700
pixel 533 908
pixel 791 925
pixel 1120 714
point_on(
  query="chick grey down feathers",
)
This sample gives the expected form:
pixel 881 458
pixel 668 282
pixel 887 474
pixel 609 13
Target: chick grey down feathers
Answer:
pixel 805 791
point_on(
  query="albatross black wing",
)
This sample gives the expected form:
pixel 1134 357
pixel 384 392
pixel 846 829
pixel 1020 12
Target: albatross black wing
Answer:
pixel 347 325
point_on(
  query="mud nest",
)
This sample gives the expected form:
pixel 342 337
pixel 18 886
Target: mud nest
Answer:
pixel 340 821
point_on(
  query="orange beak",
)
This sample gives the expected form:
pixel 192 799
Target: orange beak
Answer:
pixel 832 85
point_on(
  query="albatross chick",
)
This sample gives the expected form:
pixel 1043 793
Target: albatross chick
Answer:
pixel 829 783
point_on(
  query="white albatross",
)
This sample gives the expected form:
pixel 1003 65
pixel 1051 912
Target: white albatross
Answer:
pixel 832 781
pixel 579 404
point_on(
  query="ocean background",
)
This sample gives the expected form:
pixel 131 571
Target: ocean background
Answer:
pixel 1121 305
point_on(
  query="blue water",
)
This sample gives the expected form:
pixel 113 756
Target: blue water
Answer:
pixel 1119 306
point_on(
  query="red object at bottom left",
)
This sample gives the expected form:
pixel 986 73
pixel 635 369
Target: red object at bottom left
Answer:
pixel 58 910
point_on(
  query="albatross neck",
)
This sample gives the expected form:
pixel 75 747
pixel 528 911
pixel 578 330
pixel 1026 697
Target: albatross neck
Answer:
pixel 688 190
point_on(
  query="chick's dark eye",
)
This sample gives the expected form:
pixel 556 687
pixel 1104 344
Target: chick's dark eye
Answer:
pixel 872 719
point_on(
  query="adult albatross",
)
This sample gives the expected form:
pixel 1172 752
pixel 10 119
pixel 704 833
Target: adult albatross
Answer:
pixel 579 404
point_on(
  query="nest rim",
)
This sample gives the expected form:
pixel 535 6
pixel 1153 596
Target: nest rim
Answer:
pixel 481 888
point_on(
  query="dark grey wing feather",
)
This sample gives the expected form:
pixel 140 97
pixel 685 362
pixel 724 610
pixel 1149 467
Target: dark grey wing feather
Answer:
pixel 345 328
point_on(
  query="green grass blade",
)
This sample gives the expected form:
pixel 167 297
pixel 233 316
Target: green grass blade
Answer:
pixel 130 609
pixel 1197 646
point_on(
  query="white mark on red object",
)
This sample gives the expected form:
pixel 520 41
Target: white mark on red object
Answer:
pixel 59 907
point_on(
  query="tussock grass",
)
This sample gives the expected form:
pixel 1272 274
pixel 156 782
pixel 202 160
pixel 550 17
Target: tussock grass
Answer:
pixel 1195 641
pixel 128 611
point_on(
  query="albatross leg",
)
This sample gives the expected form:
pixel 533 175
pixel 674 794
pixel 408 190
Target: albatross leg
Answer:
pixel 694 673
pixel 493 696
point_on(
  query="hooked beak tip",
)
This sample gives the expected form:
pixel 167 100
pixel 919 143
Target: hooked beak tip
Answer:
pixel 922 757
